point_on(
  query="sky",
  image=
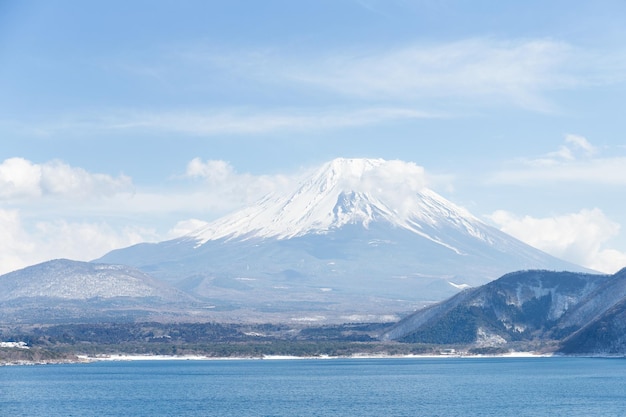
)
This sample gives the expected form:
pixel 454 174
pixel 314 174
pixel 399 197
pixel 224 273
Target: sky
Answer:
pixel 130 121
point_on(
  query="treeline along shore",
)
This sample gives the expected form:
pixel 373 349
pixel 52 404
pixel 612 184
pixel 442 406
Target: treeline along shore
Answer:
pixel 71 342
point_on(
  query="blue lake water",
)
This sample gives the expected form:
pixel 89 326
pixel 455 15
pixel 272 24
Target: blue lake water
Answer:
pixel 334 387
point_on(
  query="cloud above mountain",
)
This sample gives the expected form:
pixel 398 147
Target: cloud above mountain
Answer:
pixel 584 236
pixel 390 83
pixel 21 178
pixel 230 121
pixel 220 181
pixel 576 237
pixel 55 210
pixel 577 160
pixel 513 72
pixel 50 207
pixel 25 243
pixel 488 71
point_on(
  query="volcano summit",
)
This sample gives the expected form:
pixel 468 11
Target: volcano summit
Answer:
pixel 358 239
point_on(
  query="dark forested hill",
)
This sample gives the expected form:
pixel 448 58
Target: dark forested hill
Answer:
pixel 583 312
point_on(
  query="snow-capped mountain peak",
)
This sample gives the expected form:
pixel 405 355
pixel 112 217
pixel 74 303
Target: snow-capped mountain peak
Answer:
pixel 346 191
pixel 357 235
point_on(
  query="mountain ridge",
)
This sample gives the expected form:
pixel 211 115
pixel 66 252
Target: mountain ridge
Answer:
pixel 67 279
pixel 66 290
pixel 357 236
pixel 337 194
pixel 580 313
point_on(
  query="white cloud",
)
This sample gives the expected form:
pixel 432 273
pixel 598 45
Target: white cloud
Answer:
pixel 21 246
pixel 580 237
pixel 518 72
pixel 577 160
pixel 59 178
pixel 608 171
pixel 580 142
pixel 52 230
pixel 573 149
pixel 391 83
pixel 55 190
pixel 86 240
pixel 211 170
pixel 213 122
pixel 185 227
pixel 394 176
pixel 20 178
pixel 398 181
pixel 43 197
pixel 15 243
pixel 229 187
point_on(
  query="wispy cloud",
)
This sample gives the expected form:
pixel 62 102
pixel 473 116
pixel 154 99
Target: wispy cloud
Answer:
pixel 242 122
pixel 518 73
pixel 580 143
pixel 577 160
pixel 343 88
pixel 233 121
pixel 488 71
pixel 481 70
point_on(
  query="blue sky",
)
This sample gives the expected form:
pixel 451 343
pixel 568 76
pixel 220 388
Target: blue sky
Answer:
pixel 127 121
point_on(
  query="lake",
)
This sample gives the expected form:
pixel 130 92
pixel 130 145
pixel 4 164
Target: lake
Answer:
pixel 543 386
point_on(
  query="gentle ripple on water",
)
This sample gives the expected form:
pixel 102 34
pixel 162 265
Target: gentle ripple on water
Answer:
pixel 338 387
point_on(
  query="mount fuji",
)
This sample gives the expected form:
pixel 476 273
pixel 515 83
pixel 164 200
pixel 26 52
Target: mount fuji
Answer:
pixel 359 239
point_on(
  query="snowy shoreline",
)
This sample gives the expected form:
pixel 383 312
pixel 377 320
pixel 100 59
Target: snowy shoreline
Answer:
pixel 86 359
pixel 122 357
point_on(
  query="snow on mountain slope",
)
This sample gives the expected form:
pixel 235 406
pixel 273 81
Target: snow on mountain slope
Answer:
pixel 526 306
pixel 65 279
pixel 65 291
pixel 358 235
pixel 348 191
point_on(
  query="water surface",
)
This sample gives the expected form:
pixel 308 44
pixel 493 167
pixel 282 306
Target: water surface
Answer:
pixel 335 387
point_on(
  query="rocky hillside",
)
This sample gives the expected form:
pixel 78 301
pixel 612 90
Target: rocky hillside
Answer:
pixel 605 335
pixel 582 312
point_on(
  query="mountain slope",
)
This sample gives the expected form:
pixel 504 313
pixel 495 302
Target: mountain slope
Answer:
pixel 62 289
pixel 358 236
pixel 524 306
pixel 65 279
pixel 342 192
pixel 605 334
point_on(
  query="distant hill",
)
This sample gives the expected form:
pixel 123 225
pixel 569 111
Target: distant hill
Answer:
pixel 582 313
pixel 61 290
